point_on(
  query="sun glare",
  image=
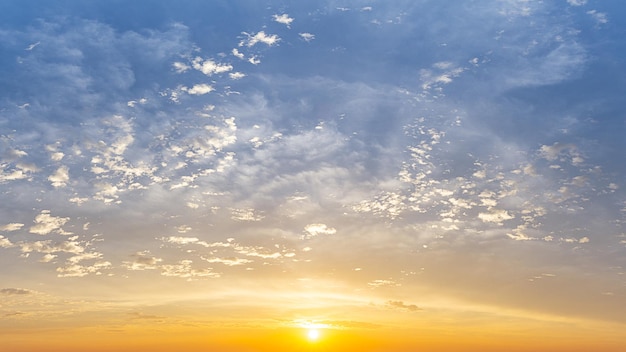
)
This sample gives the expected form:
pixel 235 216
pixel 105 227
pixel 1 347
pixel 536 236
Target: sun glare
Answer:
pixel 313 334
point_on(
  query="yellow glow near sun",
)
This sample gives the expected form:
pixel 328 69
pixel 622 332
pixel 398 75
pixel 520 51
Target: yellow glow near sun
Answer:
pixel 313 334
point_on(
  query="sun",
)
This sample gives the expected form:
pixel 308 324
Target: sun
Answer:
pixel 313 334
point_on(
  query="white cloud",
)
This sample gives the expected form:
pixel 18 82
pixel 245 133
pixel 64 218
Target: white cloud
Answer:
pixel 236 75
pixel 237 54
pixel 14 226
pixel 184 270
pixel 307 37
pixel 5 243
pixel 313 230
pixel 77 270
pixel 231 261
pixel 246 215
pixel 599 17
pixel 260 37
pixel 284 19
pixel 496 216
pixel 576 2
pixel 180 67
pixel 210 67
pixel 254 60
pixel 199 89
pixel 60 177
pixel 46 223
pixel 181 240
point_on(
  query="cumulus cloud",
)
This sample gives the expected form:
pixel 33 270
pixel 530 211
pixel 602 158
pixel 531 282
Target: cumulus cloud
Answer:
pixel 46 223
pixel 184 269
pixel 77 270
pixel 260 37
pixel 495 216
pixel 142 260
pixel 313 230
pixel 236 75
pixel 5 243
pixel 60 177
pixel 307 37
pixel 199 89
pixel 210 67
pixel 283 18
pixel 14 226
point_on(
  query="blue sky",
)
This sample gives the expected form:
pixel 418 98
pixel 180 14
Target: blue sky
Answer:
pixel 457 154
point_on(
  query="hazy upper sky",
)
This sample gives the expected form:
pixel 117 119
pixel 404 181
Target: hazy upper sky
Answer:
pixel 446 169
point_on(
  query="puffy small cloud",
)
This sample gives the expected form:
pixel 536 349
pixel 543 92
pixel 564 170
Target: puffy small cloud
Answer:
pixel 5 243
pixel 210 67
pixel 231 261
pixel 495 216
pixel 260 37
pixel 199 89
pixel 237 54
pixel 142 260
pixel 181 240
pixel 60 177
pixel 307 37
pixel 284 19
pixel 246 215
pixel 236 75
pixel 46 223
pixel 14 226
pixel 183 269
pixel 552 152
pixel 77 270
pixel 180 67
pixel 313 230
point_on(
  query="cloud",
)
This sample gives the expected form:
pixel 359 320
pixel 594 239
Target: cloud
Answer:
pixel 495 216
pixel 402 305
pixel 14 226
pixel 46 223
pixel 15 291
pixel 77 270
pixel 5 243
pixel 210 67
pixel 283 18
pixel 184 269
pixel 236 75
pixel 307 37
pixel 60 177
pixel 313 230
pixel 599 17
pixel 577 2
pixel 142 260
pixel 199 89
pixel 259 37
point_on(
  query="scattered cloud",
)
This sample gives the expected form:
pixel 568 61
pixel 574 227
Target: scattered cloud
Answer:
pixel 313 230
pixel 259 37
pixel 307 37
pixel 199 89
pixel 283 18
pixel 46 223
pixel 15 291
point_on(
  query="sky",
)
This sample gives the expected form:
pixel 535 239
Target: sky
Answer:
pixel 333 175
